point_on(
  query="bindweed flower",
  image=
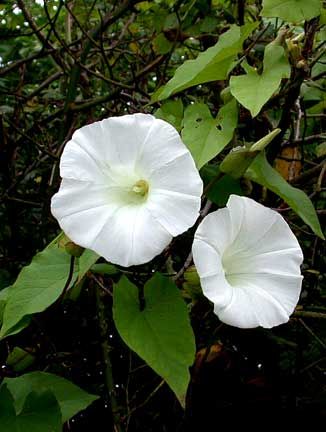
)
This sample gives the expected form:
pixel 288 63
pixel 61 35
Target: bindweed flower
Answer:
pixel 248 261
pixel 128 186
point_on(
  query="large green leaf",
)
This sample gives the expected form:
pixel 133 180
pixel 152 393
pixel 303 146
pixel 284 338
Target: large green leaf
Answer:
pixel 40 412
pixel 212 64
pixel 172 112
pixel 292 10
pixel 37 286
pixel 160 334
pixel 71 398
pixel 253 90
pixel 261 172
pixel 205 136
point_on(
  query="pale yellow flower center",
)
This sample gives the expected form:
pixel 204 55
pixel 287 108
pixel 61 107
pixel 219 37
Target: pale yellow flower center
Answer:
pixel 141 188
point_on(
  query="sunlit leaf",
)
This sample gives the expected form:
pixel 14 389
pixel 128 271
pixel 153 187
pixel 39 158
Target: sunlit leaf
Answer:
pixel 253 90
pixel 205 136
pixel 212 64
pixel 261 172
pixel 172 112
pixel 37 287
pixel 292 10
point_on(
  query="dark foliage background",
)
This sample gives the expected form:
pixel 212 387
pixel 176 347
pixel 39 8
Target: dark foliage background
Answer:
pixel 68 63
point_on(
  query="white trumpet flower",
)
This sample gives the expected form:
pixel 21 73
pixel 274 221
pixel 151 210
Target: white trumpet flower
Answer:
pixel 248 261
pixel 129 185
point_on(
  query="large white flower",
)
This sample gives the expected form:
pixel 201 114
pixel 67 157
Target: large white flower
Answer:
pixel 128 186
pixel 248 261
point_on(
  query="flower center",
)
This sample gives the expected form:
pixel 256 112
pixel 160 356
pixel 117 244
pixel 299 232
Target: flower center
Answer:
pixel 141 188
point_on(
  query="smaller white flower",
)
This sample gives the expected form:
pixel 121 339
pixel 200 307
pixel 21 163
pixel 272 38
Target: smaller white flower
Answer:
pixel 129 185
pixel 248 261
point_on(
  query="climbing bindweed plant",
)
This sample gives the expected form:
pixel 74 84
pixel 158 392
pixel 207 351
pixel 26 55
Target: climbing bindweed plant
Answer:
pixel 181 196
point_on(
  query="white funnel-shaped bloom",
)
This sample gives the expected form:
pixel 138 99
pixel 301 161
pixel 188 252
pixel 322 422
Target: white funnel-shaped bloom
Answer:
pixel 248 261
pixel 129 185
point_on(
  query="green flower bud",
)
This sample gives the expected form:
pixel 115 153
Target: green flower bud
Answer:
pixel 263 142
pixel 239 159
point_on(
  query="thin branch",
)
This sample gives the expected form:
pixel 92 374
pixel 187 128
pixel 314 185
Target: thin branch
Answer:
pixel 310 173
pixel 93 35
pixel 77 107
pixel 23 201
pixel 80 26
pixel 145 402
pixel 16 64
pixel 309 314
pixel 45 84
pixel 45 42
pixel 28 138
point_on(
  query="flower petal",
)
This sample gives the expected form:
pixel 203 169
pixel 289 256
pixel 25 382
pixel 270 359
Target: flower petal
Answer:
pixel 137 142
pixel 266 301
pixel 79 203
pixel 162 145
pixel 96 149
pixel 78 164
pixel 282 262
pixel 206 258
pixel 176 212
pixel 215 230
pixel 258 229
pixel 259 258
pixel 131 236
pixel 209 266
pixel 271 248
pixel 250 222
pixel 97 205
pixel 283 290
pixel 179 175
pixel 125 235
pixel 124 138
